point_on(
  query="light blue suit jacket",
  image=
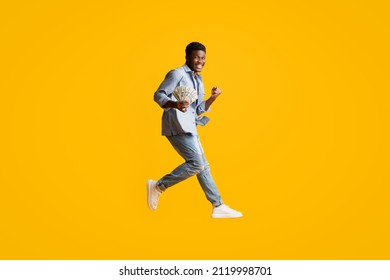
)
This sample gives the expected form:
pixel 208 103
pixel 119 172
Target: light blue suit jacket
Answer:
pixel 175 122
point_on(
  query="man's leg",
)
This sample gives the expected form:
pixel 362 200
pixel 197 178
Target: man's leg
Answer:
pixel 207 182
pixel 188 148
pixel 220 210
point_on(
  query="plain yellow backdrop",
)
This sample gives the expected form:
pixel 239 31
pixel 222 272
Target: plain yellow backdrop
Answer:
pixel 298 141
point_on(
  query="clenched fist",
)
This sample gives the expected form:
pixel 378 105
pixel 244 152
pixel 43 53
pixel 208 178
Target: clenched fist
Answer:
pixel 215 92
pixel 182 105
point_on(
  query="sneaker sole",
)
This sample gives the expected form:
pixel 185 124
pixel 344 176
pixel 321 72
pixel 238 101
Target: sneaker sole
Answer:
pixel 149 185
pixel 226 216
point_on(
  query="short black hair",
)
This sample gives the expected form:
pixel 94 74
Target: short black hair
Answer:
pixel 194 46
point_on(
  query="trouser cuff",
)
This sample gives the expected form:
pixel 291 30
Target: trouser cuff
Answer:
pixel 161 186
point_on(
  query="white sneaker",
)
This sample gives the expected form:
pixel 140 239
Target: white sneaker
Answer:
pixel 224 211
pixel 153 194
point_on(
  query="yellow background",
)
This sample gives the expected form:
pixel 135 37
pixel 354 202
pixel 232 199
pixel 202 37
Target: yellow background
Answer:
pixel 298 141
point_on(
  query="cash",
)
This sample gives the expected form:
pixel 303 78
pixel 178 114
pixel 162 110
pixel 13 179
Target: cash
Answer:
pixel 185 93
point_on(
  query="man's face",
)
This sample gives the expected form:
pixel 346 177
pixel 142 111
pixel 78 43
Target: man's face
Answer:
pixel 196 60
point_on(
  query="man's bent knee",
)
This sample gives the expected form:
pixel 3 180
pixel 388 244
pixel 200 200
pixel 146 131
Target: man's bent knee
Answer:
pixel 195 166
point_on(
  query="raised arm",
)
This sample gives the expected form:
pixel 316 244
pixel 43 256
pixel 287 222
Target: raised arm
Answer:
pixel 215 92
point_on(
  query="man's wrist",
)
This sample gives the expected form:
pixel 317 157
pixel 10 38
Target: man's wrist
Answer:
pixel 170 104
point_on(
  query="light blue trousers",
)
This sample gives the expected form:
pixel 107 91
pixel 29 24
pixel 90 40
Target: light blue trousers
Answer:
pixel 190 148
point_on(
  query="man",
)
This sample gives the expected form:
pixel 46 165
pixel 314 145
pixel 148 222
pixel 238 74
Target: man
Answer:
pixel 179 126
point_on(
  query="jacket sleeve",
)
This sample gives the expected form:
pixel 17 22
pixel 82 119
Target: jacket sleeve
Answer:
pixel 201 108
pixel 164 91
